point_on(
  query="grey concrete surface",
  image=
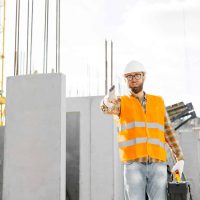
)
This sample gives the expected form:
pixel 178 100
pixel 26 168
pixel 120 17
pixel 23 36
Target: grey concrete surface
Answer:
pixel 35 138
pixel 98 174
pixel 2 130
pixel 73 155
pixel 102 154
pixel 118 171
pixel 82 105
pixel 189 138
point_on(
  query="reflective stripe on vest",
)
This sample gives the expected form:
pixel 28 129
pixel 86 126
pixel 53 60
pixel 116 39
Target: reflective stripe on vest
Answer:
pixel 140 124
pixel 141 140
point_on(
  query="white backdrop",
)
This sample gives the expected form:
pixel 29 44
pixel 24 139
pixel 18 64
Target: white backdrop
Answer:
pixel 162 34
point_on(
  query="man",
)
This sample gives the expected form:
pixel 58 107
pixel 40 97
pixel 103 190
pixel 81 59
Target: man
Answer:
pixel 144 129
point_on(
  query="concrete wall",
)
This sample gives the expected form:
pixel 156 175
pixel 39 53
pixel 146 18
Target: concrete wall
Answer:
pixel 189 138
pixel 100 171
pixel 35 140
pixel 2 130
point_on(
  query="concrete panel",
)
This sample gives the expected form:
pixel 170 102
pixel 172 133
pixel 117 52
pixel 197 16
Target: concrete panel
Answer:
pixel 118 171
pixel 82 105
pixel 73 155
pixel 102 153
pixel 189 139
pixel 100 170
pixel 2 130
pixel 35 138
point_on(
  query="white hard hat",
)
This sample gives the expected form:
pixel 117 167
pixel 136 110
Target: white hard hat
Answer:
pixel 134 66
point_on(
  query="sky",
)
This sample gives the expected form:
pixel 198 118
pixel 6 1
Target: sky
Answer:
pixel 161 34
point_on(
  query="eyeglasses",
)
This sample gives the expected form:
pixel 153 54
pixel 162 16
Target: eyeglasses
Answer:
pixel 134 77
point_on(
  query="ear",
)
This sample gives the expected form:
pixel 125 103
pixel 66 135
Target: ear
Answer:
pixel 144 77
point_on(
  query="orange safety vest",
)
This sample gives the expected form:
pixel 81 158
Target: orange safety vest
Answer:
pixel 141 134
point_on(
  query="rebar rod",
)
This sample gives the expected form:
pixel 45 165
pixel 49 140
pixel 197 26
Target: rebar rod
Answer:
pixel 30 64
pixel 106 68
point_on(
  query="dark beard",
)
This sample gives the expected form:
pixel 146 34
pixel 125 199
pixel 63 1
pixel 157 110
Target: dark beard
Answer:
pixel 138 89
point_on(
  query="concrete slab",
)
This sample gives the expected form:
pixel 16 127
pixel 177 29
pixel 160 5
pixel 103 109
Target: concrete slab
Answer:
pixel 102 153
pixel 35 138
pixel 2 130
pixel 100 173
pixel 189 138
pixel 82 106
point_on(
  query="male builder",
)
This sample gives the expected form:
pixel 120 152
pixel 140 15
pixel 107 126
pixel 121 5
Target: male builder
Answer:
pixel 144 129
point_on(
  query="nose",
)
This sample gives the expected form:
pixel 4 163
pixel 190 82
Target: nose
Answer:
pixel 134 80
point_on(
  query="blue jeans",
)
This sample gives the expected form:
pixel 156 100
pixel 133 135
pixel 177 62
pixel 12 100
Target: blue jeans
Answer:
pixel 145 178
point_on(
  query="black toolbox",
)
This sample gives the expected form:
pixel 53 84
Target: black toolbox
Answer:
pixel 178 191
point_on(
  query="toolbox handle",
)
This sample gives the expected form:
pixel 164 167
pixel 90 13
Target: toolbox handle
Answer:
pixel 177 176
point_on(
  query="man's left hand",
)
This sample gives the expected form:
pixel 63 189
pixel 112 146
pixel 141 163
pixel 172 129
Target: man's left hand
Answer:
pixel 178 166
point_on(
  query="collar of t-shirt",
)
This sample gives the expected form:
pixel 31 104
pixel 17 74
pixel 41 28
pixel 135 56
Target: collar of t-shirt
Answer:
pixel 143 101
